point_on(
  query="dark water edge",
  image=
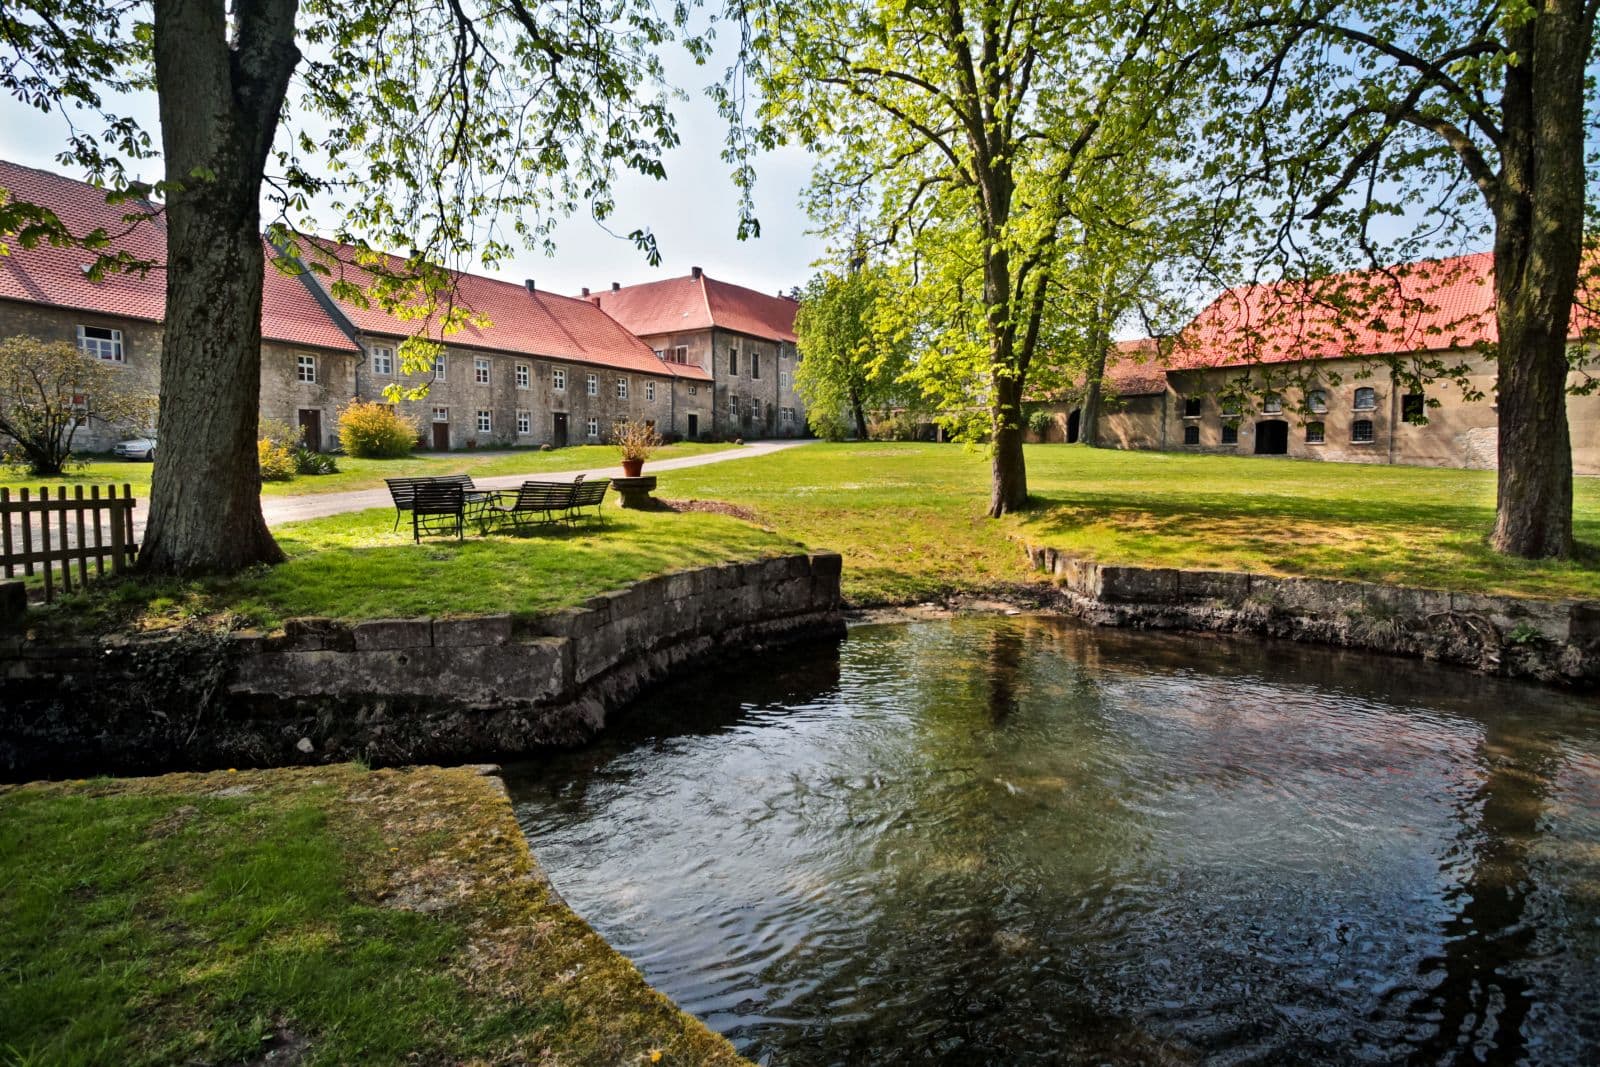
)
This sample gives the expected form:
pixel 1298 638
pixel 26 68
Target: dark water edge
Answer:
pixel 1023 840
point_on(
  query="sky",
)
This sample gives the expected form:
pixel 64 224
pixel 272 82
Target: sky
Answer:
pixel 693 212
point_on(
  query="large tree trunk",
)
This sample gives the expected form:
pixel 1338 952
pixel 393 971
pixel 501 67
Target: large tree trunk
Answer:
pixel 1008 485
pixel 1538 246
pixel 1089 420
pixel 220 100
pixel 859 412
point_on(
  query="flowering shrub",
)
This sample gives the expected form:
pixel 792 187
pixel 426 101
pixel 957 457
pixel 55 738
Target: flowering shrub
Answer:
pixel 277 462
pixel 370 430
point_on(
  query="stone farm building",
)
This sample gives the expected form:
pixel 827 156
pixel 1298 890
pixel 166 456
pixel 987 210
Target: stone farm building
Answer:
pixel 527 367
pixel 1294 370
pixel 745 339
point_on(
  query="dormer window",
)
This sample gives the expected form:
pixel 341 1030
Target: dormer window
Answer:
pixel 100 342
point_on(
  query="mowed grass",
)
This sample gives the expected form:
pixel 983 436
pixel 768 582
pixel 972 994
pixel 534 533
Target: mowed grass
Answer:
pixel 354 566
pixel 325 915
pixel 908 517
pixel 363 473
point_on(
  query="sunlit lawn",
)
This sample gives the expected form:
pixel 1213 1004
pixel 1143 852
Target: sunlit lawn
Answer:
pixel 354 566
pixel 908 517
pixel 363 473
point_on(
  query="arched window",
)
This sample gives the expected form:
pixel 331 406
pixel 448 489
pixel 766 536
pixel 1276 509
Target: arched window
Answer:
pixel 1316 433
pixel 1317 400
pixel 1361 432
pixel 1366 398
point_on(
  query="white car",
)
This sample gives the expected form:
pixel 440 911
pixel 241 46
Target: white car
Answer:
pixel 136 448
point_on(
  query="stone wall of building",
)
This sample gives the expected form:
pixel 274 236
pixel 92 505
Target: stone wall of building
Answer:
pixel 286 398
pixel 398 690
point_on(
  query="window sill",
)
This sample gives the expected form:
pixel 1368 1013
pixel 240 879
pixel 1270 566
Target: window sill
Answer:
pixel 1368 444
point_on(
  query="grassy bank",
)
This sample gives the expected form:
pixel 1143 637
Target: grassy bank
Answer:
pixel 366 473
pixel 323 915
pixel 908 517
pixel 356 566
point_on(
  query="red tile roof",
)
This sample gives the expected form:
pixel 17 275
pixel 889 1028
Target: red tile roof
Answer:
pixel 55 276
pixel 1133 369
pixel 515 319
pixel 699 302
pixel 1431 305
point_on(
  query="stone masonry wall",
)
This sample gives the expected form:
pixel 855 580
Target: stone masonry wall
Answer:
pixel 393 691
pixel 1553 641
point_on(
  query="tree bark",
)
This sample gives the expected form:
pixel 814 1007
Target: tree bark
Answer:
pixel 1089 420
pixel 859 412
pixel 1539 212
pixel 221 99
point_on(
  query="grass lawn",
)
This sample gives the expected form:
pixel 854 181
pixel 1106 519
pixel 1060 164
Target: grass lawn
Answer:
pixel 354 566
pixel 323 915
pixel 908 517
pixel 367 473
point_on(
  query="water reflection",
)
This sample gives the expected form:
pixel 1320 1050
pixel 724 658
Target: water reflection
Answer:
pixel 1024 841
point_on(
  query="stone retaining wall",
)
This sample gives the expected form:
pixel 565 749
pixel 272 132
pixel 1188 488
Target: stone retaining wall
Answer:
pixel 393 690
pixel 1555 641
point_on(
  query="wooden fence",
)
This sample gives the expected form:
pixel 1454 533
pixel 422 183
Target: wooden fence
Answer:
pixel 80 537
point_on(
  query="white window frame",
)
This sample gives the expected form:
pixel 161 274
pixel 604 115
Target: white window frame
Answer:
pixel 441 414
pixel 108 349
pixel 591 427
pixel 558 379
pixel 482 371
pixel 755 407
pixel 305 368
pixel 441 368
pixel 733 406
pixel 694 390
pixel 524 421
pixel 622 388
pixel 661 354
pixel 591 384
pixel 680 354
pixel 650 391
pixel 783 380
pixel 524 376
pixel 383 360
pixel 485 421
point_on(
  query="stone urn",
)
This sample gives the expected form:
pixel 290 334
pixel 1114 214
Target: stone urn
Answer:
pixel 632 467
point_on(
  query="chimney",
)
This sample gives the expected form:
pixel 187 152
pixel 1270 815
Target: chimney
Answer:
pixel 615 286
pixel 530 285
pixel 695 272
pixel 586 290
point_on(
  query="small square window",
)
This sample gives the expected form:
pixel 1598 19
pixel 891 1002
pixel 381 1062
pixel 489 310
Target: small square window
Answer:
pixel 1317 400
pixel 1413 407
pixel 558 379
pixel 383 361
pixel 622 388
pixel 101 342
pixel 305 368
pixel 591 384
pixel 1191 407
pixel 650 391
pixel 661 354
pixel 524 422
pixel 1366 399
pixel 694 390
pixel 480 371
pixel 1272 405
pixel 441 369
pixel 1230 433
pixel 593 428
pixel 485 422
pixel 524 376
pixel 755 364
pixel 1317 433
pixel 1191 435
pixel 1361 432
pixel 441 414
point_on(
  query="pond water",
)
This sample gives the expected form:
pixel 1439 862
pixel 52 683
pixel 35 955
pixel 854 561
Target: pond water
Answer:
pixel 1021 840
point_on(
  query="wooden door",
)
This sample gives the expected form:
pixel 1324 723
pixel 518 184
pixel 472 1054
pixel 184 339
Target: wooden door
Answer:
pixel 694 427
pixel 441 437
pixel 560 433
pixel 311 429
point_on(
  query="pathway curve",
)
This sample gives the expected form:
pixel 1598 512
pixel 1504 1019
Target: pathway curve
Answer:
pixel 282 509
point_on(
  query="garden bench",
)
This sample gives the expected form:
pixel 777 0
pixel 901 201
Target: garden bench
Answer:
pixel 437 507
pixel 588 495
pixel 551 500
pixel 403 491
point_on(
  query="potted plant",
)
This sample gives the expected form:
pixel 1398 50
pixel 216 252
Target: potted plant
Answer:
pixel 636 440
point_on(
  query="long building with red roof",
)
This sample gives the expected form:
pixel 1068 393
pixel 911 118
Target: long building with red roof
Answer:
pixel 516 365
pixel 743 339
pixel 1345 368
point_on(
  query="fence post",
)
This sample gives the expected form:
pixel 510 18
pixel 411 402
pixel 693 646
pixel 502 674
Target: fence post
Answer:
pixel 44 543
pixel 5 531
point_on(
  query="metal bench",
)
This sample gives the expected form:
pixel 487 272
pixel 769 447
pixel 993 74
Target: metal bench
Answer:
pixel 549 501
pixel 403 491
pixel 588 495
pixel 437 507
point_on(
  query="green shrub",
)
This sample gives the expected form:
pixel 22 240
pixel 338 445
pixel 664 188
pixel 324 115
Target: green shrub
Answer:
pixel 309 462
pixel 277 462
pixel 369 430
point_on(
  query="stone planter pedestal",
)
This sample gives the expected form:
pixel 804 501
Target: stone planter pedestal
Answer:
pixel 635 492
